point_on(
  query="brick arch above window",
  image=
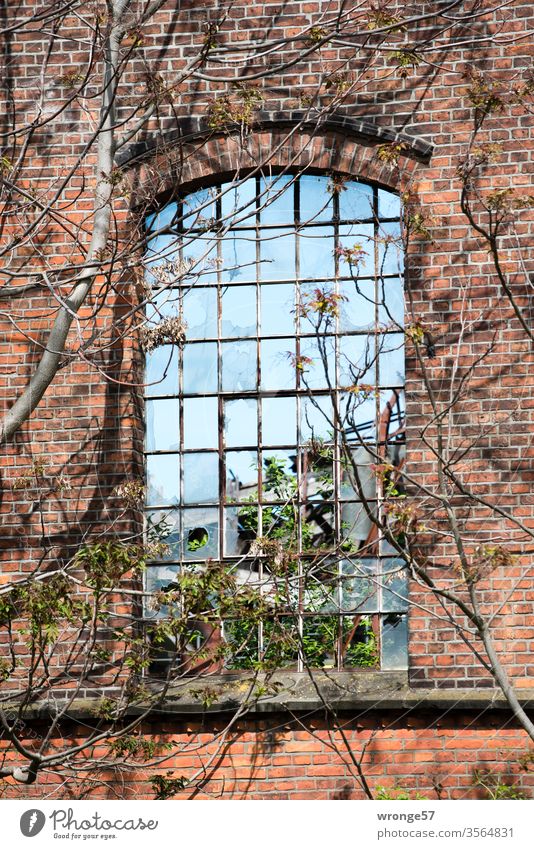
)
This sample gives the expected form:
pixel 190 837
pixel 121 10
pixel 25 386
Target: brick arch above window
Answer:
pixel 192 154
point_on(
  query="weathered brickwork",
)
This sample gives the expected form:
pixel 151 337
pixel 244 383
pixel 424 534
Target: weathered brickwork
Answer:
pixel 86 436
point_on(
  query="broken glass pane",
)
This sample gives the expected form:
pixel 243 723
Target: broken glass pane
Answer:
pixel 158 579
pixel 238 256
pixel 395 641
pixel 200 313
pixel 316 252
pixel 394 580
pixel 320 635
pixel 279 421
pixel 357 361
pixel 318 525
pixel 358 589
pixel 316 419
pixel 241 528
pixel 278 364
pixel 392 361
pixel 200 257
pixel 200 423
pixel 390 249
pixel 317 362
pixel 318 308
pixel 239 366
pixel 163 528
pixel 201 478
pixel 279 475
pixel 239 204
pixel 164 303
pixel 315 199
pixel 163 218
pixel 163 425
pixel 391 300
pixel 357 305
pixel 239 311
pixel 355 523
pixel 277 251
pixel 200 533
pixel 360 646
pixel 240 423
pixel 355 201
pixel 199 209
pixel 277 309
pixel 276 200
pixel 200 368
pixel 388 204
pixel 241 474
pixel 161 374
pixel 357 412
pixel 162 260
pixel 359 239
pixel 316 472
pixel 163 472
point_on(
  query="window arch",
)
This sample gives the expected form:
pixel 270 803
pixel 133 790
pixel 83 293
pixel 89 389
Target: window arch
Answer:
pixel 265 430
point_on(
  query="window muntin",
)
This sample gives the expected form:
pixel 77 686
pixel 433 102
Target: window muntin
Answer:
pixel 291 377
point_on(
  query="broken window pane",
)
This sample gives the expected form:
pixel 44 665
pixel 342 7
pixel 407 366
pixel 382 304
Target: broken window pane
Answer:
pixel 200 368
pixel 279 475
pixel 278 365
pixel 355 522
pixel 391 302
pixel 279 421
pixel 389 205
pixel 358 586
pixel 163 474
pixel 357 412
pixel 239 205
pixel 158 579
pixel 315 199
pixel 200 534
pixel 277 309
pixel 238 256
pixel 357 361
pixel 239 366
pixel 200 423
pixel 390 249
pixel 199 255
pixel 276 200
pixel 355 201
pixel 358 473
pixel 391 353
pixel 201 478
pixel 200 313
pixel 357 306
pixel 240 529
pixel 359 239
pixel 394 581
pixel 316 253
pixel 316 419
pixel 395 641
pixel 162 425
pixel 199 209
pixel 163 529
pixel 240 423
pixel 241 474
pixel 277 251
pixel 161 371
pixel 316 363
pixel 239 311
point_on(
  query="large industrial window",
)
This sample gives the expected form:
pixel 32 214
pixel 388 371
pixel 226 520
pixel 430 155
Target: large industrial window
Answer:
pixel 273 431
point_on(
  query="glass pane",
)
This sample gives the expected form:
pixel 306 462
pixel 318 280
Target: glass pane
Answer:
pixel 359 643
pixel 316 419
pixel 277 309
pixel 320 639
pixel 316 252
pixel 318 307
pixel 241 474
pixel 158 579
pixel 391 300
pixel 279 475
pixel 164 303
pixel 163 473
pixel 277 252
pixel 358 590
pixel 200 423
pixel 161 374
pixel 358 470
pixel 238 252
pixel 278 364
pixel 394 581
pixel 358 238
pixel 388 204
pixel 239 204
pixel 355 201
pixel 394 641
pixel 355 523
pixel 240 529
pixel 357 361
pixel 240 423
pixel 390 249
pixel 200 368
pixel 317 363
pixel 163 526
pixel 201 478
pixel 357 411
pixel 239 366
pixel 200 313
pixel 357 305
pixel 315 198
pixel 392 364
pixel 276 200
pixel 239 311
pixel 163 425
pixel 318 526
pixel 162 260
pixel 199 208
pixel 279 421
pixel 200 257
pixel 163 218
pixel 316 473
pixel 200 533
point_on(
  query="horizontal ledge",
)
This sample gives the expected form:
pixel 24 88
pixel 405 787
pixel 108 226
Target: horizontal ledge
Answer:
pixel 360 691
pixel 196 127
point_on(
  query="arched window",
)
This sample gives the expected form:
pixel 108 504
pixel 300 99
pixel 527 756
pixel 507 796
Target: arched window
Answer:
pixel 272 432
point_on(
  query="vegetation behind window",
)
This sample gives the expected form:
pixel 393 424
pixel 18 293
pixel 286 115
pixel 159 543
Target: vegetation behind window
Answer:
pixel 274 432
